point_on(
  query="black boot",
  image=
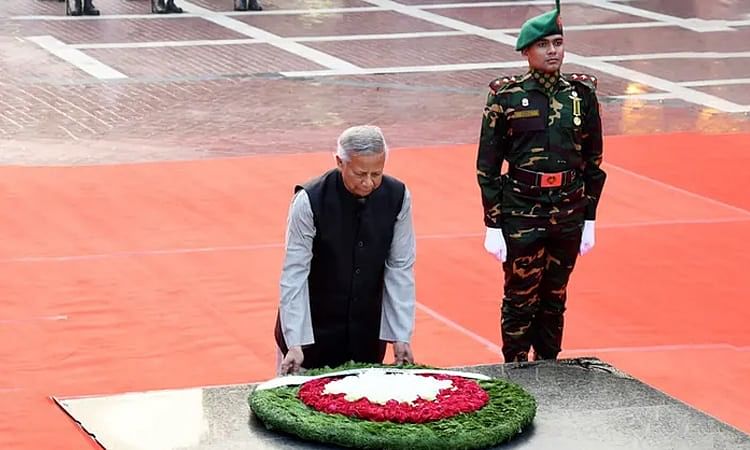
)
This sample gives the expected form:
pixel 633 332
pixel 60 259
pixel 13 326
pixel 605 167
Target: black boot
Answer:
pixel 172 8
pixel 89 9
pixel 247 5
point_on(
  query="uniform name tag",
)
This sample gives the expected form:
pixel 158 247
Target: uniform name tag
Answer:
pixel 526 113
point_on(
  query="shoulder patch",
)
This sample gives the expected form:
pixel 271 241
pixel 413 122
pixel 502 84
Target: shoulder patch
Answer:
pixel 589 81
pixel 498 85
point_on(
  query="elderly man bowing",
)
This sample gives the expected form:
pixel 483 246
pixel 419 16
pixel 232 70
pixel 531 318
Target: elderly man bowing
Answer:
pixel 347 284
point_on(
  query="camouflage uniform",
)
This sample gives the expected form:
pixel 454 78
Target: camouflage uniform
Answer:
pixel 547 127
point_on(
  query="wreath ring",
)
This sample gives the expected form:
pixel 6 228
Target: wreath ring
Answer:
pixel 509 411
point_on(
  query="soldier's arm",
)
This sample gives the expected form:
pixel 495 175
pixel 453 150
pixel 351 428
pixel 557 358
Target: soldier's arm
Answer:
pixel 592 151
pixel 492 141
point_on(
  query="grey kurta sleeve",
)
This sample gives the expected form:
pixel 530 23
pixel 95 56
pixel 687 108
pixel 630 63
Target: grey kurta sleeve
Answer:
pixel 399 292
pixel 294 306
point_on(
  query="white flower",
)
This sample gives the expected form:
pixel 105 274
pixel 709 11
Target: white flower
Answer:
pixel 379 387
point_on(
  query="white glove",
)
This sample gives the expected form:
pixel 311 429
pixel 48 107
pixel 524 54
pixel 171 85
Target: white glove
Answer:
pixel 494 243
pixel 588 238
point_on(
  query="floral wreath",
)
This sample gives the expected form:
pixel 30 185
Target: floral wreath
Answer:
pixel 465 414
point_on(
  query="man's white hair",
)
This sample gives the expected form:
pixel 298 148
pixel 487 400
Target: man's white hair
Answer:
pixel 361 140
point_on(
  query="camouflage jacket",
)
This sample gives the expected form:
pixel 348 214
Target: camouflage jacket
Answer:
pixel 531 130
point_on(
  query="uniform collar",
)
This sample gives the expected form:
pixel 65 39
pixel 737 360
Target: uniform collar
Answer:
pixel 545 82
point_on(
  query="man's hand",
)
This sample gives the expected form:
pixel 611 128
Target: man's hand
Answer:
pixel 402 353
pixel 292 362
pixel 494 243
pixel 588 238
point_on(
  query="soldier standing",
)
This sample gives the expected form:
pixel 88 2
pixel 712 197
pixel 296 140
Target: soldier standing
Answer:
pixel 81 8
pixel 87 8
pixel 247 5
pixel 540 214
pixel 165 7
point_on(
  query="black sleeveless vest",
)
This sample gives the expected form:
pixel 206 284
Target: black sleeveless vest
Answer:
pixel 352 242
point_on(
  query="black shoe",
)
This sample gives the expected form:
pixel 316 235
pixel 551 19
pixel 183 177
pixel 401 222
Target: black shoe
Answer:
pixel 89 9
pixel 172 8
pixel 247 5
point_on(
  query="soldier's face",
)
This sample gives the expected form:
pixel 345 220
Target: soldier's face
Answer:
pixel 546 54
pixel 362 174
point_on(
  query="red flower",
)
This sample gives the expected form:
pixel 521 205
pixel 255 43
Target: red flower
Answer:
pixel 465 396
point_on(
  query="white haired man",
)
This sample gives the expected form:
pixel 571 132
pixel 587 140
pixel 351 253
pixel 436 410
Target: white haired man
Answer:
pixel 347 283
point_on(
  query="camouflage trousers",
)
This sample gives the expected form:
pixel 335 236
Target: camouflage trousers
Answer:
pixel 541 257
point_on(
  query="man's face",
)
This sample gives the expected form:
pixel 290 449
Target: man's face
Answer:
pixel 546 54
pixel 362 174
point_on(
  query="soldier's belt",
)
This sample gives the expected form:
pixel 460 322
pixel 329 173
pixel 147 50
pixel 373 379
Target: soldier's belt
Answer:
pixel 543 179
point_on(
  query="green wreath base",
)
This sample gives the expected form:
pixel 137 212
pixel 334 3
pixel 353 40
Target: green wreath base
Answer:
pixel 509 411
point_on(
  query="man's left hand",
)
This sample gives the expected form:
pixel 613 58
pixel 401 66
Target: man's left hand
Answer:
pixel 402 353
pixel 588 238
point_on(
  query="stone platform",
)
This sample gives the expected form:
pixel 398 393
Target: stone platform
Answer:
pixel 583 403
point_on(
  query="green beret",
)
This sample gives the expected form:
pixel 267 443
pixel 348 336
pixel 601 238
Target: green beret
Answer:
pixel 538 27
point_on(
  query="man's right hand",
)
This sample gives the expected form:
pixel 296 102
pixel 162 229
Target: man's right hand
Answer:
pixel 292 361
pixel 494 243
pixel 402 353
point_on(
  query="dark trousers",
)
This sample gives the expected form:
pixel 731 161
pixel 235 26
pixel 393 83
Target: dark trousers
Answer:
pixel 334 352
pixel 541 257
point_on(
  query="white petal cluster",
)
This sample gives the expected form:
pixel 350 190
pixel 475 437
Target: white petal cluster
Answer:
pixel 379 387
